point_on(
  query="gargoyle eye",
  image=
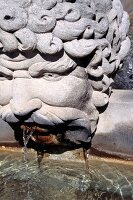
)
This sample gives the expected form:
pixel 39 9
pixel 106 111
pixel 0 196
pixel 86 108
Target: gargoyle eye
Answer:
pixel 51 76
pixel 48 75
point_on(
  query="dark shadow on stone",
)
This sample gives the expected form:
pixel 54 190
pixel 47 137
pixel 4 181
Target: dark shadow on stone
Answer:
pixel 123 78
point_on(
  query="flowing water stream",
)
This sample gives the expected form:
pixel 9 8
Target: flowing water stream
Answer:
pixel 26 137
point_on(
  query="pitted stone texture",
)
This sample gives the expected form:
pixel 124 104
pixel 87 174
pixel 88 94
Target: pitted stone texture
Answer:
pixel 57 61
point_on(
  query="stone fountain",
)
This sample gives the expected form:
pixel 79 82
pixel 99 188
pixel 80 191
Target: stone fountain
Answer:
pixel 58 60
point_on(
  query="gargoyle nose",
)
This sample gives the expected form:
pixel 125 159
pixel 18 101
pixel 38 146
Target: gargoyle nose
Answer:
pixel 23 110
pixel 23 101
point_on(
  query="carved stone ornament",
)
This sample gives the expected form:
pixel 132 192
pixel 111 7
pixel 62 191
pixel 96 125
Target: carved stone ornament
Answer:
pixel 57 61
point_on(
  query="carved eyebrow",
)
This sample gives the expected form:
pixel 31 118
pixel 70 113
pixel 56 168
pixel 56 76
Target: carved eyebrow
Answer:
pixel 62 66
pixel 39 68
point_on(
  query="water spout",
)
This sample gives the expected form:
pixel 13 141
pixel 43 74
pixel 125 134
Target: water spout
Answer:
pixel 27 133
pixel 26 137
pixel 86 157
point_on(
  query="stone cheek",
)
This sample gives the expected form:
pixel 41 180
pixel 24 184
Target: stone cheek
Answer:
pixel 57 59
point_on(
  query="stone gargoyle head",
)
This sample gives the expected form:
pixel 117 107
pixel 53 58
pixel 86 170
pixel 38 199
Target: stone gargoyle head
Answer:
pixel 57 60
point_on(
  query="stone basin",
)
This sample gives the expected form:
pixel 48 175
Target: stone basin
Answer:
pixel 56 179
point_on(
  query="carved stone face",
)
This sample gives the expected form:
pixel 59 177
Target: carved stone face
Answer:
pixel 56 62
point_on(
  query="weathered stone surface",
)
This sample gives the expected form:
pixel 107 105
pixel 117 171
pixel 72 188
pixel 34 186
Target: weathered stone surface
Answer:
pixel 114 133
pixel 6 133
pixel 57 61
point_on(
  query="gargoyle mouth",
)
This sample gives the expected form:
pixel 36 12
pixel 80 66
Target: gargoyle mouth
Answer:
pixel 41 135
pixel 60 135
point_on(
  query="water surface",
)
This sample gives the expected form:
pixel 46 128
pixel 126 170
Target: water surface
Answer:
pixel 62 180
